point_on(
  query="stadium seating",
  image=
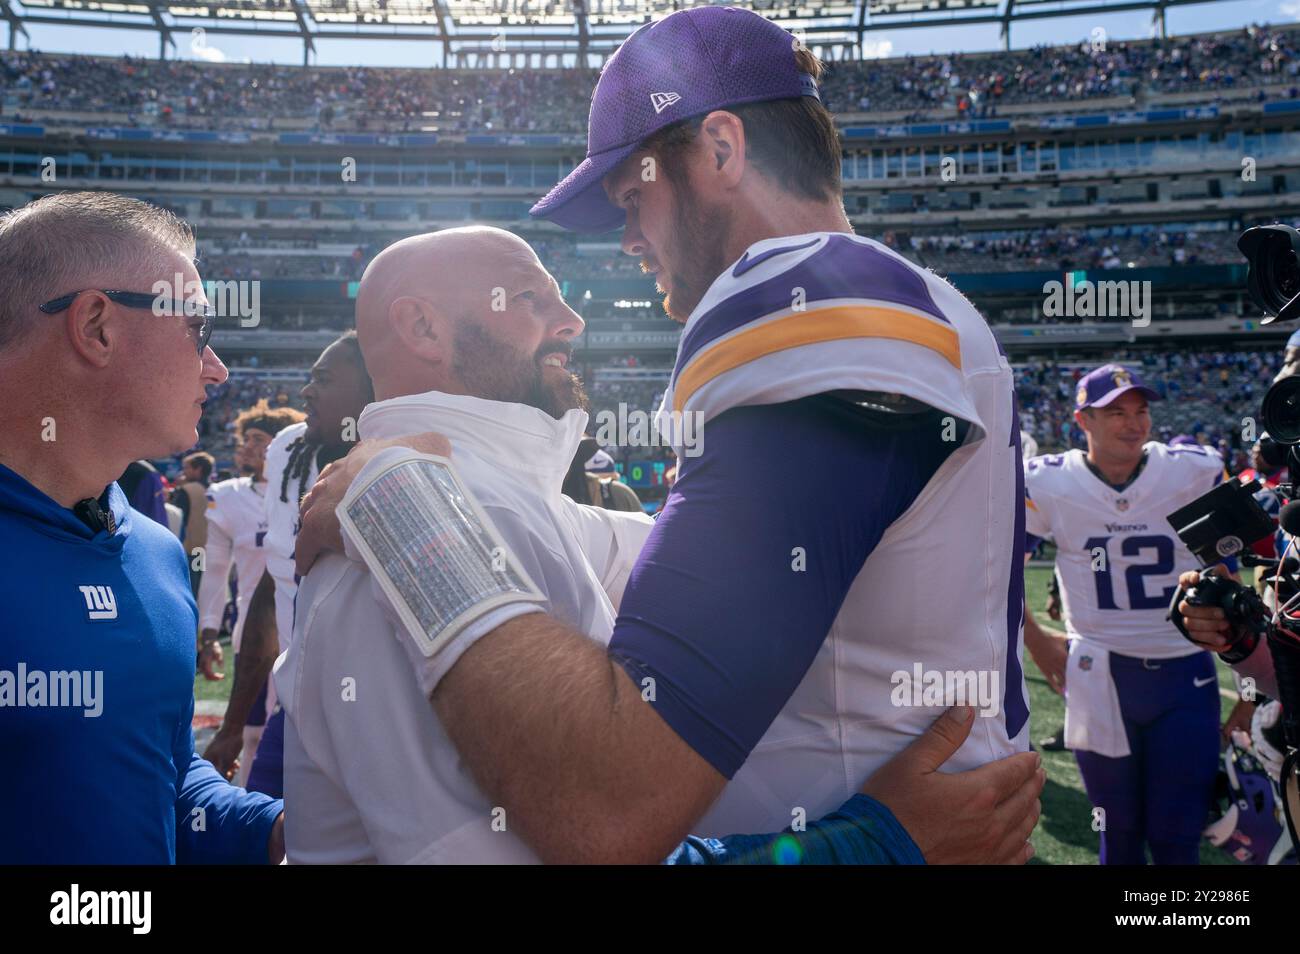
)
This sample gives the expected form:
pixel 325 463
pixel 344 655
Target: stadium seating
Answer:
pixel 229 96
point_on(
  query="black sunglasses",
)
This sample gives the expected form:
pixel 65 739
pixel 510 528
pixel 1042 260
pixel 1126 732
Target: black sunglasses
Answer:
pixel 126 299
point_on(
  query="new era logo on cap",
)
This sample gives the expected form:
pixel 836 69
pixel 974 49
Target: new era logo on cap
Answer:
pixel 724 56
pixel 661 101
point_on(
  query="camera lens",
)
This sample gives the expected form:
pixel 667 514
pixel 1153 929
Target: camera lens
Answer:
pixel 1273 278
pixel 1281 411
pixel 1284 272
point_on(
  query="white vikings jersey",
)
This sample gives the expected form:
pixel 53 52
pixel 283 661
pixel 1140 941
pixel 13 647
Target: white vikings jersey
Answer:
pixel 236 527
pixel 943 589
pixel 1117 556
pixel 282 525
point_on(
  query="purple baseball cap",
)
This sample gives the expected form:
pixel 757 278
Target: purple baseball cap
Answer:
pixel 687 64
pixel 1098 388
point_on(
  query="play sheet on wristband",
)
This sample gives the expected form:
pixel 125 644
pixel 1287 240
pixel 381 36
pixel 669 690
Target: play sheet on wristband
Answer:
pixel 433 550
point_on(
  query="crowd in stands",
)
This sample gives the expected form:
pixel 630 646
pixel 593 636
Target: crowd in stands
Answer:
pixel 976 84
pixel 254 96
pixel 240 391
pixel 1067 249
pixel 948 254
pixel 1208 395
pixel 562 258
pixel 199 94
pixel 608 394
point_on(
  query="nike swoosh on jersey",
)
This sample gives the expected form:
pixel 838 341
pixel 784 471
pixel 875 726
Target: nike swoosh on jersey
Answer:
pixel 746 263
pixel 1203 682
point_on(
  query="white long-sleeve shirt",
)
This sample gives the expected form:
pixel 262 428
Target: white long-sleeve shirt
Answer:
pixel 370 769
pixel 236 527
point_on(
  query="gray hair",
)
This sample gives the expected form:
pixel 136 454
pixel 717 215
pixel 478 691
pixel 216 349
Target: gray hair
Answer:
pixel 51 246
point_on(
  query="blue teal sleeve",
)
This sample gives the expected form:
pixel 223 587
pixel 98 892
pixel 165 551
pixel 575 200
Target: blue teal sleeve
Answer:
pixel 861 832
pixel 216 822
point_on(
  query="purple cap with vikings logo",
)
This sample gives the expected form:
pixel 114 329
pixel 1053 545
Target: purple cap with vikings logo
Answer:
pixel 1098 388
pixel 687 64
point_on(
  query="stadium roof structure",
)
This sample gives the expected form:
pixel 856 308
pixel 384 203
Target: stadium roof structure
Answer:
pixel 540 33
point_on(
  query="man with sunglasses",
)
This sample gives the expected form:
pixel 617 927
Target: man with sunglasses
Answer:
pixel 97 645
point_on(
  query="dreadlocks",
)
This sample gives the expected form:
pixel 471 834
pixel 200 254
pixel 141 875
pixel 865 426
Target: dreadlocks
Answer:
pixel 302 453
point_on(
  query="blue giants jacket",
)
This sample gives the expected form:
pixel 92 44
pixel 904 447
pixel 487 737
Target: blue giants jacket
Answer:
pixel 97 697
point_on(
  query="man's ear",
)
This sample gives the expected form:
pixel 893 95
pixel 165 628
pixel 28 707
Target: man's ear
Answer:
pixel 723 137
pixel 89 328
pixel 420 328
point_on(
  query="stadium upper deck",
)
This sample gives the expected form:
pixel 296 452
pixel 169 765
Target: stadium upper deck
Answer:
pixel 1242 66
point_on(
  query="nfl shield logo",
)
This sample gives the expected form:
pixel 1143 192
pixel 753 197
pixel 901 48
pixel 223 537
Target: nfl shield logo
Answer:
pixel 1085 663
pixel 1121 504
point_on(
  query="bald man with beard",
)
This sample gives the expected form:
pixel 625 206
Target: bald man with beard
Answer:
pixel 366 759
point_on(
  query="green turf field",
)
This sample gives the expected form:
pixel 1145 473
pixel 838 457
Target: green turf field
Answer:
pixel 1064 835
pixel 219 690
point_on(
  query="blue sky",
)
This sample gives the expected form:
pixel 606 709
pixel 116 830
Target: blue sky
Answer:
pixel 1128 25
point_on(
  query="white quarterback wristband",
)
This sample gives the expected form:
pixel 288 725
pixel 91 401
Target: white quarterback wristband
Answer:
pixel 432 549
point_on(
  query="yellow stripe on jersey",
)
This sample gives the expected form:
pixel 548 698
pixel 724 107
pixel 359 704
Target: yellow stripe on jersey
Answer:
pixel 824 324
pixel 1030 504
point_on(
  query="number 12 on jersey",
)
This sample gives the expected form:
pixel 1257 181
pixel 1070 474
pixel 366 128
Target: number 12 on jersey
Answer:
pixel 1135 574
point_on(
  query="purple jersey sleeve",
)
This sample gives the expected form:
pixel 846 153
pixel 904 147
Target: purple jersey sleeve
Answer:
pixel 717 611
pixel 147 497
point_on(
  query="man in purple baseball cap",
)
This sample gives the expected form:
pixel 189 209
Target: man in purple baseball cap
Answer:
pixel 762 660
pixel 723 105
pixel 1142 703
pixel 1100 387
pixel 1115 438
pixel 667 71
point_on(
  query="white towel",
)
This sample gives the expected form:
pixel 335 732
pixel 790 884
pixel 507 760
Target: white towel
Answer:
pixel 1093 722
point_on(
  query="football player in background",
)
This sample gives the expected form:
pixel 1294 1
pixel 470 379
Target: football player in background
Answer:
pixel 1142 704
pixel 190 496
pixel 338 388
pixel 236 512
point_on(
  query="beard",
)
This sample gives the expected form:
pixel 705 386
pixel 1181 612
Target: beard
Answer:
pixel 490 369
pixel 700 248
